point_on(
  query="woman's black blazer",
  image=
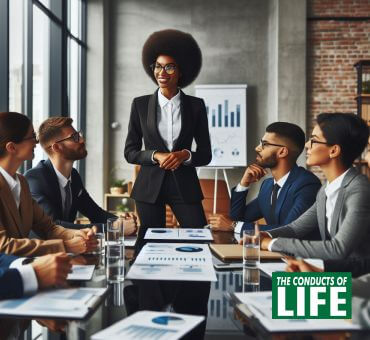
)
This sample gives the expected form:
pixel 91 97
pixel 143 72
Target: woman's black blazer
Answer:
pixel 143 125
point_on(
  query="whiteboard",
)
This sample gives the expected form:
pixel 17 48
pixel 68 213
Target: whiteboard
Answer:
pixel 227 121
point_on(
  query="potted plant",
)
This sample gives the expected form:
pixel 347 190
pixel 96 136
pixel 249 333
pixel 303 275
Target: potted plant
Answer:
pixel 117 187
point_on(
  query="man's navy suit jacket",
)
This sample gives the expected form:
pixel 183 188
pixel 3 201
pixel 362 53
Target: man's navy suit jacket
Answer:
pixel 44 186
pixel 11 284
pixel 295 197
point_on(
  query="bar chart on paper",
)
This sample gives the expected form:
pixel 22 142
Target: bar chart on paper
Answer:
pixel 227 121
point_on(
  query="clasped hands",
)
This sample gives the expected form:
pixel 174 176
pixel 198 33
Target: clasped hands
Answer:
pixel 84 241
pixel 171 160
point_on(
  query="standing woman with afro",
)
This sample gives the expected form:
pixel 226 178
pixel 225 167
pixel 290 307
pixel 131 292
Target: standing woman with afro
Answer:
pixel 168 121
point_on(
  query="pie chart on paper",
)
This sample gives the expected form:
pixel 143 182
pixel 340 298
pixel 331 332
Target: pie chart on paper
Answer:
pixel 189 249
pixel 168 320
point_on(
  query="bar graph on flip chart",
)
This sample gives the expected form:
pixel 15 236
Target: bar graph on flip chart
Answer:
pixel 226 107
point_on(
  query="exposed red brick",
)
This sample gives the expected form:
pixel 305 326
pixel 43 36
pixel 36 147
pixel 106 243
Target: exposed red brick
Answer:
pixel 333 47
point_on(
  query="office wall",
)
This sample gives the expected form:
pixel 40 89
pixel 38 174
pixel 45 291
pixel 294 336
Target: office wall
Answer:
pixel 241 41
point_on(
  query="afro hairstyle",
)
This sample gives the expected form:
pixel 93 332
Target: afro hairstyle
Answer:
pixel 179 45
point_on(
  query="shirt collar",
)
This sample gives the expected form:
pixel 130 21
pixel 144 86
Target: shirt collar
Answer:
pixel 9 179
pixel 282 180
pixel 334 185
pixel 163 101
pixel 61 179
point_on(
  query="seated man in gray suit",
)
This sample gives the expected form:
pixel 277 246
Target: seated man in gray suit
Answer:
pixel 341 212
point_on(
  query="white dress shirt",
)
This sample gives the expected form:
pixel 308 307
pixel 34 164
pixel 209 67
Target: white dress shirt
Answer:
pixel 14 185
pixel 169 121
pixel 30 284
pixel 331 191
pixel 27 273
pixel 62 181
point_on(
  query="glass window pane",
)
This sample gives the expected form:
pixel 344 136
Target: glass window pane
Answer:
pixel 73 81
pixel 41 67
pixel 54 6
pixel 75 17
pixel 15 54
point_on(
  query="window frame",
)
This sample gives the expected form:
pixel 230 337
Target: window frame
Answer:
pixel 58 75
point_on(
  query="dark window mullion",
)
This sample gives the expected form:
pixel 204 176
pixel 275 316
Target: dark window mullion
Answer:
pixel 82 83
pixel 27 67
pixel 4 55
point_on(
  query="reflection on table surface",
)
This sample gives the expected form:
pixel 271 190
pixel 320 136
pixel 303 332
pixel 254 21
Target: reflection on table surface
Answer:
pixel 220 310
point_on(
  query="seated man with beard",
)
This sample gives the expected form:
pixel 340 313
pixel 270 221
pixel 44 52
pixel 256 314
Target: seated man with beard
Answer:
pixel 290 191
pixel 57 186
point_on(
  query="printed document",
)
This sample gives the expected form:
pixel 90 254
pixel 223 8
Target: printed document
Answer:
pixel 72 302
pixel 81 272
pixel 147 325
pixel 173 262
pixel 180 234
pixel 260 304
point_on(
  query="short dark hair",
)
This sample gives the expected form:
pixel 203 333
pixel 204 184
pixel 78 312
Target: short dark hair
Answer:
pixel 291 132
pixel 13 128
pixel 177 44
pixel 51 129
pixel 348 131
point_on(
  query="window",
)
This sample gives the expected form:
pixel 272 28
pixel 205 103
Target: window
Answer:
pixel 42 60
pixel 15 55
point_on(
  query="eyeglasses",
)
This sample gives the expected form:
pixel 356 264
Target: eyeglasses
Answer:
pixel 264 143
pixel 312 141
pixel 33 136
pixel 75 137
pixel 169 68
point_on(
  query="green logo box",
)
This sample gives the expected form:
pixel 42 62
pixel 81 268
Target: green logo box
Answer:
pixel 311 295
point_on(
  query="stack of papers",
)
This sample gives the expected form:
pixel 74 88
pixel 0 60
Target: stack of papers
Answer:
pixel 173 261
pixel 150 325
pixel 271 267
pixel 180 234
pixel 62 303
pixel 260 304
pixel 81 272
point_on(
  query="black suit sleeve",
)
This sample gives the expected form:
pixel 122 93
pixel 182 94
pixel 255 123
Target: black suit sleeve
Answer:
pixel 356 266
pixel 203 154
pixel 134 141
pixel 88 207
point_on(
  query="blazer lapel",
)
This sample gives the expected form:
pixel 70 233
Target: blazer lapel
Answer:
pixel 152 121
pixel 52 181
pixel 24 210
pixel 185 120
pixel 321 213
pixel 340 201
pixel 8 199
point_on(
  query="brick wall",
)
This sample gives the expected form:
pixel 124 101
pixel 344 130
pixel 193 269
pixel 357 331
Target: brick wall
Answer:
pixel 333 47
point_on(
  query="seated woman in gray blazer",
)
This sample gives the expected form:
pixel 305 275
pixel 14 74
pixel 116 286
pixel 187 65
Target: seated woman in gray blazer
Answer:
pixel 341 212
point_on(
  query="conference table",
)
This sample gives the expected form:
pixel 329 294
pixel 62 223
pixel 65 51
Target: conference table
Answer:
pixel 224 320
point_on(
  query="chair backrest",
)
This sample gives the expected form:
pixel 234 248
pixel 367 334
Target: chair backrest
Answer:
pixel 223 199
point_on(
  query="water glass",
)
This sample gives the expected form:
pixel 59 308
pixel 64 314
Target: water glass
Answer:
pixel 115 230
pixel 251 248
pixel 100 249
pixel 251 280
pixel 115 262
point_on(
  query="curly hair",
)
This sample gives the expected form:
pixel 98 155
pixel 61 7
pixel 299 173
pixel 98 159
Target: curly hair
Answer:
pixel 179 45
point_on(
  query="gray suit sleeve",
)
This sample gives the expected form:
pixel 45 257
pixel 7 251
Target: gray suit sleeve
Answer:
pixel 353 229
pixel 299 228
